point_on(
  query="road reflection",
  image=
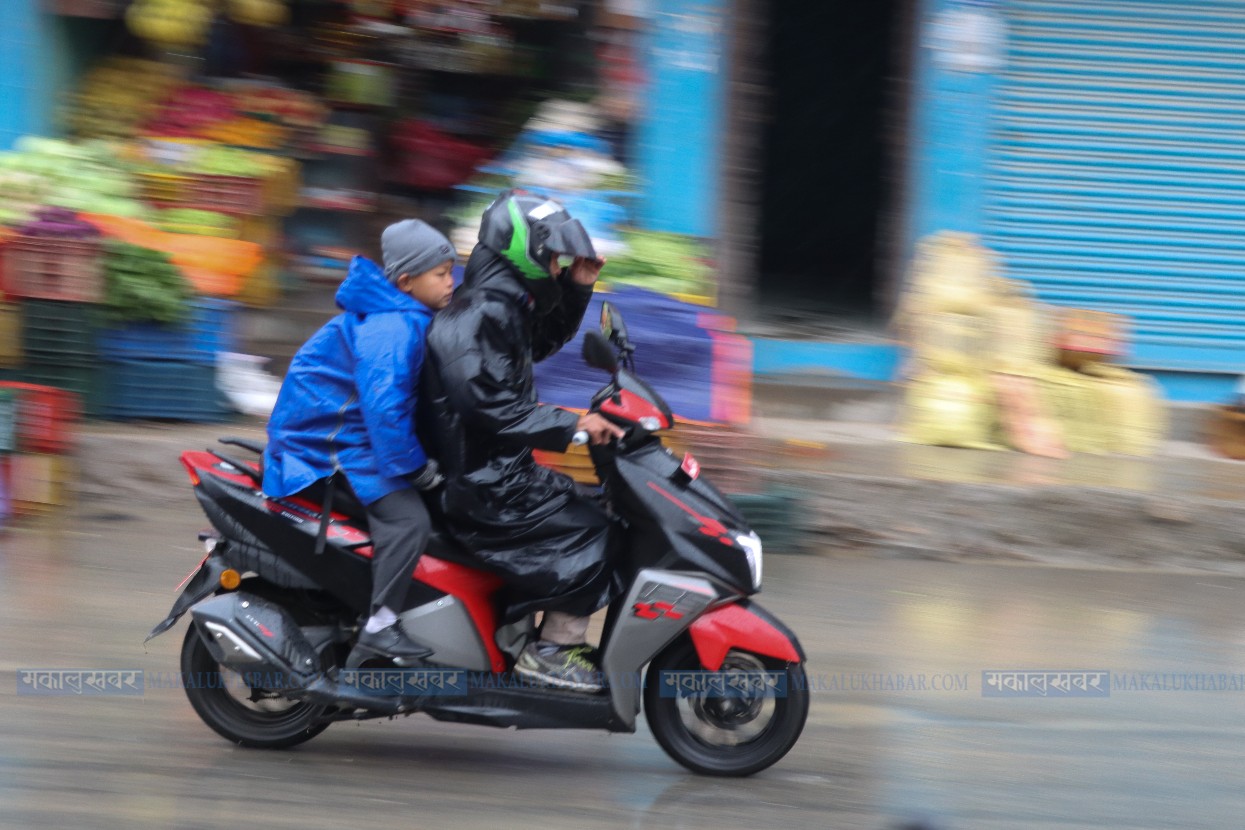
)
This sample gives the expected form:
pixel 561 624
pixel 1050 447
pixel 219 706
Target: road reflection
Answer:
pixel 878 752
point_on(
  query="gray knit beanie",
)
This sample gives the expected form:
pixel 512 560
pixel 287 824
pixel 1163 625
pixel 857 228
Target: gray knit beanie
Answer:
pixel 413 247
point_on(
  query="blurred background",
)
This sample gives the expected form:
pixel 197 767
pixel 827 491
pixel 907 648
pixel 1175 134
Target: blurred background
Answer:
pixel 1005 223
pixel 947 280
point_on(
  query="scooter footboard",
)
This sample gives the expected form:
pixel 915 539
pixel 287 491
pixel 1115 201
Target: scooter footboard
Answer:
pixel 746 626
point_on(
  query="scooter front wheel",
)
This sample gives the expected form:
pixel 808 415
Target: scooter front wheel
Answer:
pixel 252 717
pixel 732 722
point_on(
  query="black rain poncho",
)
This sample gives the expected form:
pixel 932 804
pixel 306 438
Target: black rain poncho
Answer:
pixel 525 522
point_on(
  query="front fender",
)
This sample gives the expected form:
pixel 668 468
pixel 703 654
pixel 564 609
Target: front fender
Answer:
pixel 746 626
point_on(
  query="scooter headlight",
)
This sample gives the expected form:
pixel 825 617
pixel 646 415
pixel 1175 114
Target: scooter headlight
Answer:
pixel 751 544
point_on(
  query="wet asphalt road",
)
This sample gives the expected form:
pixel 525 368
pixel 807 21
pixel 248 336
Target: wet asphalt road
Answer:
pixel 876 753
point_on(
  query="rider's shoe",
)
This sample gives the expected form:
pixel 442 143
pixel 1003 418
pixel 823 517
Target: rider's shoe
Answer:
pixel 564 667
pixel 390 643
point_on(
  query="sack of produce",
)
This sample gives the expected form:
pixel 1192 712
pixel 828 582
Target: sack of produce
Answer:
pixel 1019 335
pixel 951 272
pixel 944 341
pixel 1072 399
pixel 949 410
pixel 1023 417
pixel 1135 417
pixel 1085 337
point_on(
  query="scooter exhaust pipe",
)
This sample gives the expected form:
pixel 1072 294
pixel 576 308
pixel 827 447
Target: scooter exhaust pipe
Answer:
pixel 249 634
pixel 252 635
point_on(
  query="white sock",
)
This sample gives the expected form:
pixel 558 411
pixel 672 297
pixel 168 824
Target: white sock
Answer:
pixel 563 629
pixel 380 620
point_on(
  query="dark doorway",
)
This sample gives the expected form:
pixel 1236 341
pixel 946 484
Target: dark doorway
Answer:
pixel 832 157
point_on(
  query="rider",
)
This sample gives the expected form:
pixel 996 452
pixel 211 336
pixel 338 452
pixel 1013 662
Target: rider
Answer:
pixel 347 406
pixel 526 522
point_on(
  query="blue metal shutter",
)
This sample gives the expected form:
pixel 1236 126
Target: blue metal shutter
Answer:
pixel 1117 169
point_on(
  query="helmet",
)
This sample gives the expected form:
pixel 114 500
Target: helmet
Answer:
pixel 528 230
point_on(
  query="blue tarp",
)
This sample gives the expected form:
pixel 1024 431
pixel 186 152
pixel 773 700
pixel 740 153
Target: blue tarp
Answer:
pixel 673 354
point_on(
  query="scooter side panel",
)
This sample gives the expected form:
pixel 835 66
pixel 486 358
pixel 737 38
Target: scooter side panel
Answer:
pixel 659 607
pixel 475 589
pixel 445 626
pixel 244 517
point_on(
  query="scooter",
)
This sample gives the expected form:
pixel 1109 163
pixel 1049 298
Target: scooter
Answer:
pixel 276 604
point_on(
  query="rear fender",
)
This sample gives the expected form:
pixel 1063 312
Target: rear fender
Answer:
pixel 201 585
pixel 745 626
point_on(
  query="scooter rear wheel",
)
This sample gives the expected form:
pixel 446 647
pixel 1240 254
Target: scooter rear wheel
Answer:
pixel 254 718
pixel 736 734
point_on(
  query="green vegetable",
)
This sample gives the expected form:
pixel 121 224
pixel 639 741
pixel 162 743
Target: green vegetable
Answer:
pixel 143 285
pixel 666 262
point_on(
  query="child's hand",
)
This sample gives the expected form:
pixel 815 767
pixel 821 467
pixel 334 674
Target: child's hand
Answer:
pixel 427 477
pixel 585 271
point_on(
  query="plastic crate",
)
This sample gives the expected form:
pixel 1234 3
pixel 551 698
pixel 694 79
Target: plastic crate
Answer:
pixel 212 328
pixel 8 420
pixel 85 381
pixel 724 453
pixel 45 416
pixel 54 269
pixel 199 230
pixel 54 331
pixel 164 390
pixel 775 517
pixel 264 231
pixel 5 478
pixel 575 462
pixel 38 483
pixel 4 264
pixel 163 187
pixel 226 194
pixel 279 192
pixel 10 334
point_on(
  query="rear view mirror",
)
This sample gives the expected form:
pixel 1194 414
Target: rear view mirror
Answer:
pixel 614 329
pixel 598 353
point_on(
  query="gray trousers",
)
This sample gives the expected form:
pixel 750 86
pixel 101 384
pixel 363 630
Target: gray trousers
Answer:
pixel 400 527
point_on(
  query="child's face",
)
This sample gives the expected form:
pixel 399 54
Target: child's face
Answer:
pixel 434 287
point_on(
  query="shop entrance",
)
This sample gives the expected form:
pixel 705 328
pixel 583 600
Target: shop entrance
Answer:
pixel 832 159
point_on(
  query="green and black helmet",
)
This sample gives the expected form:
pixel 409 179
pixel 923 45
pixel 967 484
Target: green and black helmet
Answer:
pixel 530 230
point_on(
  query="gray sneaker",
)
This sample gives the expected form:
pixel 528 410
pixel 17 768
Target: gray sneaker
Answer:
pixel 563 667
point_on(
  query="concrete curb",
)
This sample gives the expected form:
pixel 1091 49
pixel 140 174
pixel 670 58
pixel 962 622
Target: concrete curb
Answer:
pixel 835 398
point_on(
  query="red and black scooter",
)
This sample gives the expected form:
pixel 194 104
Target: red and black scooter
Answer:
pixel 273 620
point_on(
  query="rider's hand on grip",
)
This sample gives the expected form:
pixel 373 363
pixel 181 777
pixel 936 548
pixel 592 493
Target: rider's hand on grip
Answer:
pixel 427 477
pixel 600 430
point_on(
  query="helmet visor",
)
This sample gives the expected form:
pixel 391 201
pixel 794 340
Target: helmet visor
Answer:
pixel 571 239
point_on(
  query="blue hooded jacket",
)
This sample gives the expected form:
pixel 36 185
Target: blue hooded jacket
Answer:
pixel 348 400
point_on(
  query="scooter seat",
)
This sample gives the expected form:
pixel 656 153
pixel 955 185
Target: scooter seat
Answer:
pixel 445 547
